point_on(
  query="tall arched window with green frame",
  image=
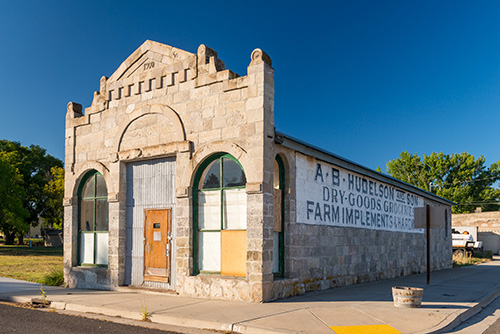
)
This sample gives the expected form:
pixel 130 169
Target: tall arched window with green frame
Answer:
pixel 220 216
pixel 279 218
pixel 93 218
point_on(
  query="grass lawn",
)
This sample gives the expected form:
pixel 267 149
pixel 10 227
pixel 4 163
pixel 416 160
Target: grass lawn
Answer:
pixel 30 264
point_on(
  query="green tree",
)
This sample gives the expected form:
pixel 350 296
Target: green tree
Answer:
pixel 33 164
pixel 12 213
pixel 458 177
pixel 54 193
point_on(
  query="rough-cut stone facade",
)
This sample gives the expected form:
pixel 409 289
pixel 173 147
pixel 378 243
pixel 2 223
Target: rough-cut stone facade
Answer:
pixel 322 257
pixel 166 102
pixel 488 227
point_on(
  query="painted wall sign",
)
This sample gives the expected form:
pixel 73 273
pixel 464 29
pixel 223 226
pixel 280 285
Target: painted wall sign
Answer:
pixel 329 195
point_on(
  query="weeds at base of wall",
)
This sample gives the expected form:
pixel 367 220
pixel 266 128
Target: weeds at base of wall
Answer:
pixel 461 260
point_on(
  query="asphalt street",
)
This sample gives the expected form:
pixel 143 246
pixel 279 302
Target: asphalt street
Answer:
pixel 15 319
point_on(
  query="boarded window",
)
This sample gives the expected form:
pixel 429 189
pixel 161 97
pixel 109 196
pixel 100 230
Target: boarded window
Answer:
pixel 234 253
pixel 278 219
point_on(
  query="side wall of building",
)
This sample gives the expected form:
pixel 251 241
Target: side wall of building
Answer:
pixel 320 257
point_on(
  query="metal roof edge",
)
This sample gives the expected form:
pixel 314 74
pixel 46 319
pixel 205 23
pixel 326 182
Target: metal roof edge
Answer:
pixel 324 155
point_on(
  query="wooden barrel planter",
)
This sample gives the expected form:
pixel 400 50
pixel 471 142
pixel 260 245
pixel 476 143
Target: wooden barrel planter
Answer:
pixel 407 297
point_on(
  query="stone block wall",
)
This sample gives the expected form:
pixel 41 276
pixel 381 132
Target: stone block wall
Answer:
pixel 323 257
pixel 164 101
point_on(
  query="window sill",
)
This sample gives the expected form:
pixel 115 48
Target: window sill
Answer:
pixel 92 266
pixel 213 274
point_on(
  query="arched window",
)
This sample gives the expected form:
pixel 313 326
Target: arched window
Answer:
pixel 278 216
pixel 93 220
pixel 220 217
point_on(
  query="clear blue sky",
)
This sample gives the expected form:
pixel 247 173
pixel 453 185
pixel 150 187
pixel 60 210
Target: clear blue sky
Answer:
pixel 363 79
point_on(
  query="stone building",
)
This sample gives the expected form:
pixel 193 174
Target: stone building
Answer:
pixel 177 180
pixel 484 226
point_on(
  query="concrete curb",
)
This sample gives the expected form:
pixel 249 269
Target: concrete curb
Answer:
pixel 15 299
pixel 239 327
pixel 189 322
pixel 155 318
pixel 464 316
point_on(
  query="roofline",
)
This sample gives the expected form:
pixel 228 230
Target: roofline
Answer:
pixel 148 45
pixel 324 155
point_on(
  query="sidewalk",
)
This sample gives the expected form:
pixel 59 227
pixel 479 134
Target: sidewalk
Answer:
pixel 453 296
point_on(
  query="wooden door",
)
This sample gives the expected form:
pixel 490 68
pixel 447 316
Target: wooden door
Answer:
pixel 158 245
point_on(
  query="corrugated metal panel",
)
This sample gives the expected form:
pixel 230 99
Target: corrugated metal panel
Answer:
pixel 150 185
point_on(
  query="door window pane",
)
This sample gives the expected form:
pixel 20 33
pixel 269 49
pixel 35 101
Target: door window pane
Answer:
pixel 211 176
pixel 87 248
pixel 87 215
pixel 235 209
pixel 101 190
pixel 89 188
pixel 101 216
pixel 233 174
pixel 209 253
pixel 101 252
pixel 209 210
